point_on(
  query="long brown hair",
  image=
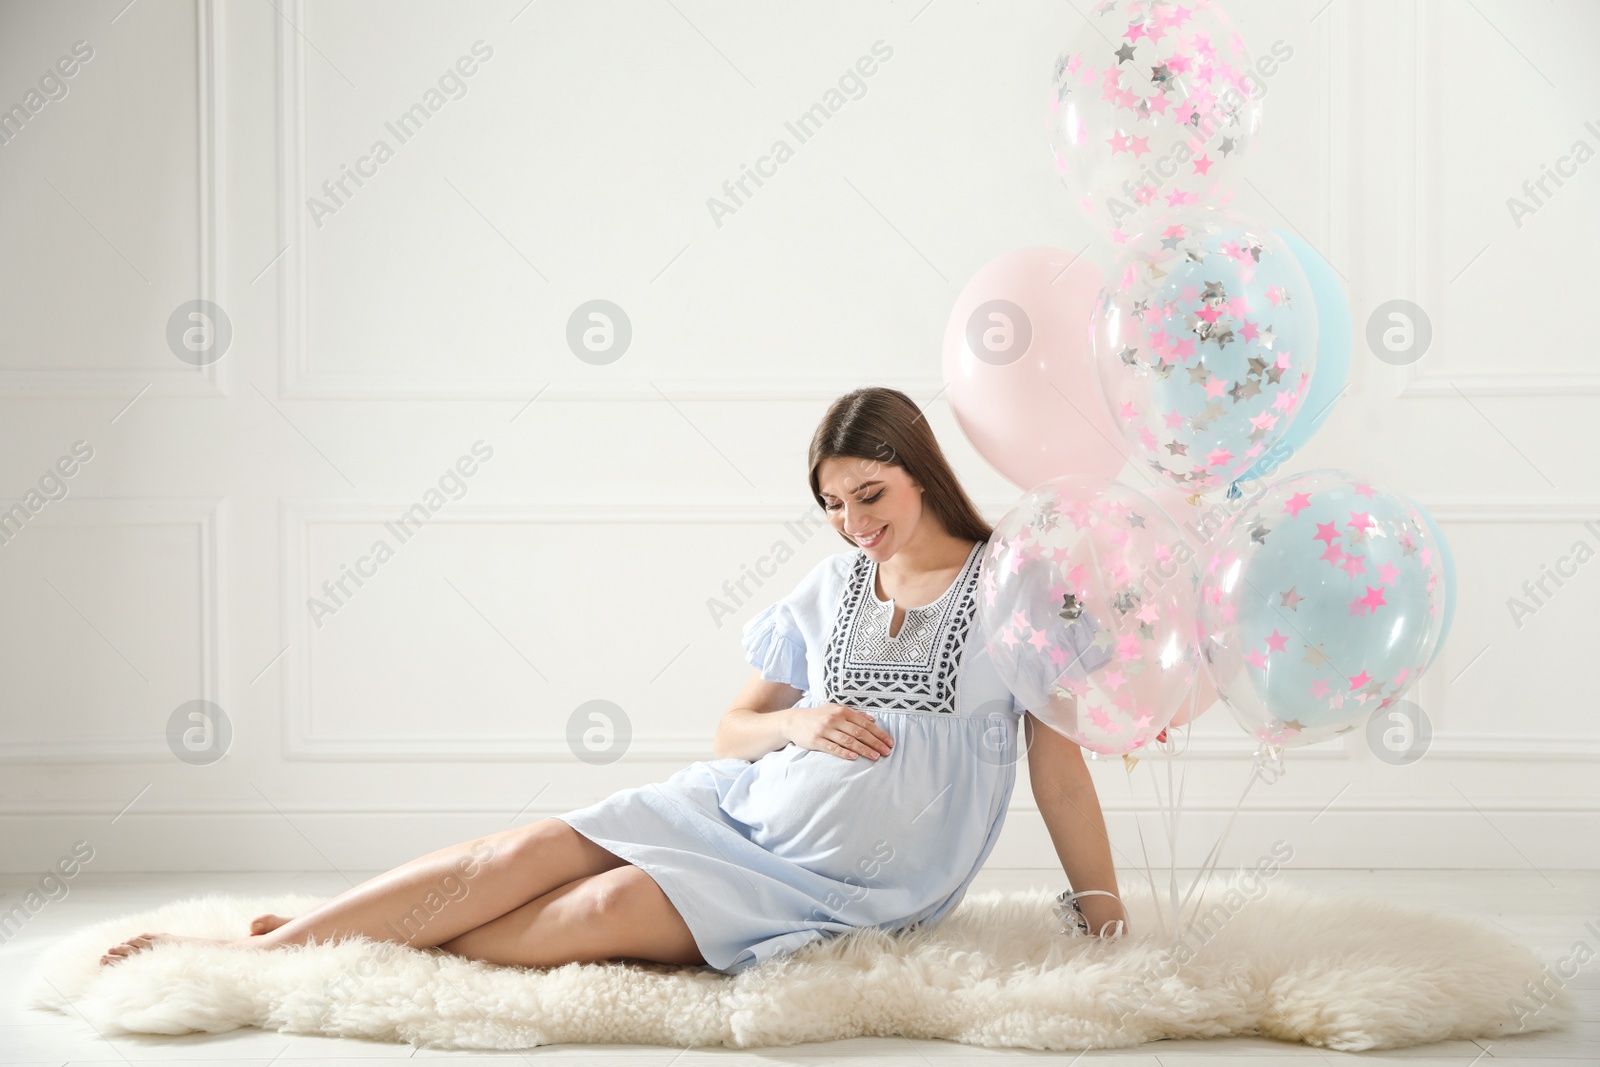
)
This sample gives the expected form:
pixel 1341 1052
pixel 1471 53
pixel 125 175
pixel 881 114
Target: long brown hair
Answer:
pixel 882 424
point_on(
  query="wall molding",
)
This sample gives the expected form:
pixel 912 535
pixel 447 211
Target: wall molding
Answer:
pixel 1446 744
pixel 178 379
pixel 313 386
pixel 303 742
pixel 1511 510
pixel 1422 385
pixel 1423 171
pixel 685 747
pixel 300 380
pixel 1338 57
pixel 150 809
pixel 1434 688
pixel 209 516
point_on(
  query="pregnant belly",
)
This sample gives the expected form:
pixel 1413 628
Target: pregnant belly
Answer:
pixel 863 821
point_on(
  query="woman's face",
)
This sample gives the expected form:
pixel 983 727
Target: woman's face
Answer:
pixel 874 504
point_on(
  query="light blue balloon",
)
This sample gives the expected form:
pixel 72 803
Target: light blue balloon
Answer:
pixel 1320 602
pixel 1333 355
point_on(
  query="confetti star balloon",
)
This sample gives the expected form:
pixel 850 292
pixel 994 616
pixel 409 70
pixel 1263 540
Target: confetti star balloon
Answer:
pixel 1205 342
pixel 1153 104
pixel 1321 602
pixel 1087 606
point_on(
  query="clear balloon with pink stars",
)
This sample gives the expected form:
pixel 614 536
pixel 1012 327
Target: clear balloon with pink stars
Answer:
pixel 1153 106
pixel 1087 604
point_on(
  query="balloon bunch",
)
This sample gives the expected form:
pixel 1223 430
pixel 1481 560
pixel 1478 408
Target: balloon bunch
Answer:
pixel 1206 353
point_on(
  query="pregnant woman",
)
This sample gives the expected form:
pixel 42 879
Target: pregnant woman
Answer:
pixel 864 770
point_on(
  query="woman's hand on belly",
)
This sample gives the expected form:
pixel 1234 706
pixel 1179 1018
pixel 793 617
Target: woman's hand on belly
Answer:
pixel 838 730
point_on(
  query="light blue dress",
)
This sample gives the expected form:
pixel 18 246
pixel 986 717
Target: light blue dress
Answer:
pixel 762 857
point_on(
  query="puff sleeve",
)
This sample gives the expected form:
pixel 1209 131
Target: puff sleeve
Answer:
pixel 774 645
pixel 782 638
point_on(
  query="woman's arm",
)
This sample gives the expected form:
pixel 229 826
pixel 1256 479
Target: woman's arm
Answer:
pixel 756 722
pixel 1066 796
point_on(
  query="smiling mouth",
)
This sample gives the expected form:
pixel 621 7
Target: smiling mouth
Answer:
pixel 873 538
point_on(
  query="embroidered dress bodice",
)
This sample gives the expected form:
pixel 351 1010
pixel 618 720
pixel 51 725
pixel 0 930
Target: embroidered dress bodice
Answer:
pixel 912 670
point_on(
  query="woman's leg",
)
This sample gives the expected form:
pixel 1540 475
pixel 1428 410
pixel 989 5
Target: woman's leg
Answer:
pixel 446 893
pixel 439 896
pixel 621 912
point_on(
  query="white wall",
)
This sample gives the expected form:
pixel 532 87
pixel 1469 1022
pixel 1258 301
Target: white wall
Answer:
pixel 429 312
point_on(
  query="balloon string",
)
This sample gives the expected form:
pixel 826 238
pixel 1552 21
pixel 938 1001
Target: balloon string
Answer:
pixel 1170 806
pixel 1161 806
pixel 1177 807
pixel 1164 803
pixel 1209 863
pixel 1149 875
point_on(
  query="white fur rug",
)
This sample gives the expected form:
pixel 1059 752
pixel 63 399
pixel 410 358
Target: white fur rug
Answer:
pixel 1336 973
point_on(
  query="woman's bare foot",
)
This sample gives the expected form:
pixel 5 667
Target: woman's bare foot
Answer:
pixel 120 952
pixel 265 924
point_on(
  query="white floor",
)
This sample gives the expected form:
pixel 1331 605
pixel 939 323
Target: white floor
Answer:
pixel 1547 915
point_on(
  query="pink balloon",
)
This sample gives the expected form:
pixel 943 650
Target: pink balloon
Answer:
pixel 1019 370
